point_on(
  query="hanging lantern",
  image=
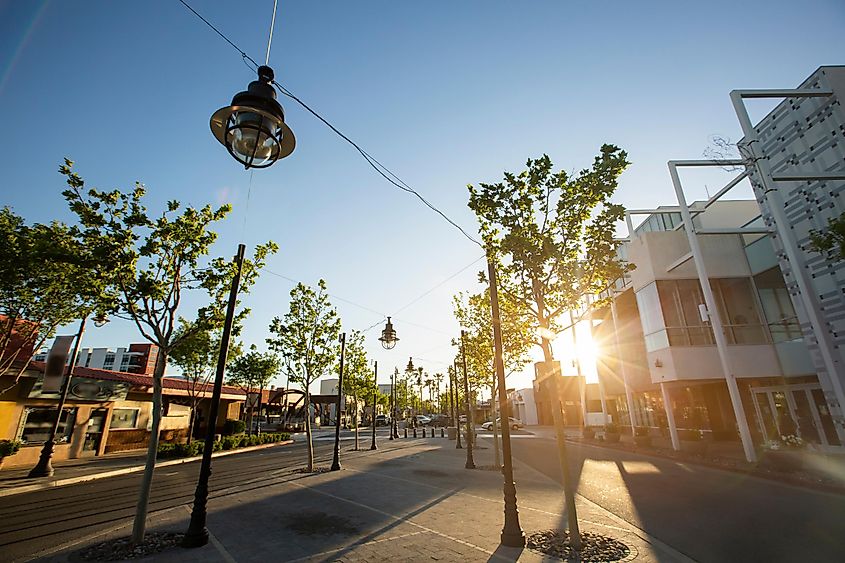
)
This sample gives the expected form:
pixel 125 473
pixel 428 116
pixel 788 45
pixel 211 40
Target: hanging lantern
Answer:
pixel 410 367
pixel 253 128
pixel 388 336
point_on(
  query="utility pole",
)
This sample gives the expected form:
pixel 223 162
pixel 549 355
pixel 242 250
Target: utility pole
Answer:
pixel 336 458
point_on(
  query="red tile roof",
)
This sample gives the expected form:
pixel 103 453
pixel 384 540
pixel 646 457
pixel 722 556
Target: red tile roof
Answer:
pixel 137 380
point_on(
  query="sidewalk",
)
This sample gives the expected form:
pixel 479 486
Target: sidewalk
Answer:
pixel 68 472
pixel 411 500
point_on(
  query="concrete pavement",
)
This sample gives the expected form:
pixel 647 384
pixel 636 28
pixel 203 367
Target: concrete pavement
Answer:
pixel 411 500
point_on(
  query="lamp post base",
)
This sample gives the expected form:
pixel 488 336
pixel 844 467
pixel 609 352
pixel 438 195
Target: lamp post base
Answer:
pixel 195 538
pixel 44 467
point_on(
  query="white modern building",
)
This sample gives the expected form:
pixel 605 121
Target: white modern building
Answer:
pixel 137 358
pixel 731 321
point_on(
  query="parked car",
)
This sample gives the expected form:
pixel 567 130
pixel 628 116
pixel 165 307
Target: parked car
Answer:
pixel 382 420
pixel 422 420
pixel 440 420
pixel 513 422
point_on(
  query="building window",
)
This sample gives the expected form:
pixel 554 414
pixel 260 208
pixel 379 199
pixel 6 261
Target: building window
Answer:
pixel 777 306
pixel 38 421
pixel 124 418
pixel 738 307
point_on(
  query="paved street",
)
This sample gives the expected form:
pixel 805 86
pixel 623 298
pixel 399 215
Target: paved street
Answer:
pixel 412 500
pixel 708 514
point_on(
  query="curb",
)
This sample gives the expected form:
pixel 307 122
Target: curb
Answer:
pixel 131 469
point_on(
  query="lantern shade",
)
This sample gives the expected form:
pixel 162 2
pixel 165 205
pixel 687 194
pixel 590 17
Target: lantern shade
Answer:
pixel 388 336
pixel 253 127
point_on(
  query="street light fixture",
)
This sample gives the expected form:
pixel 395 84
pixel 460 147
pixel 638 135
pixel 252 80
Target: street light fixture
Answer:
pixel 253 127
pixel 388 336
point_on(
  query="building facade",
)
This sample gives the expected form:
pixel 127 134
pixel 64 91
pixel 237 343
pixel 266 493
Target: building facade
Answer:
pixel 138 358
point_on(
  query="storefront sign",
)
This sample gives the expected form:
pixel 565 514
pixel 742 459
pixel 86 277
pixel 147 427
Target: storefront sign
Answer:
pixel 85 389
pixel 56 360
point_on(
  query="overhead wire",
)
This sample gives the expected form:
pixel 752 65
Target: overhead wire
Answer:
pixel 380 168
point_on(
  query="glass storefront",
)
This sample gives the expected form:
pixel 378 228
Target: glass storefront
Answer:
pixel 669 312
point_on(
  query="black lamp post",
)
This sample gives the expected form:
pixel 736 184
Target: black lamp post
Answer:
pixel 388 336
pixel 457 412
pixel 197 534
pixel 44 467
pixel 410 370
pixel 253 127
pixel 373 446
pixel 512 534
pixel 336 458
pixel 470 464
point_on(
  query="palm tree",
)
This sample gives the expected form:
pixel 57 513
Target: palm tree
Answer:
pixel 439 378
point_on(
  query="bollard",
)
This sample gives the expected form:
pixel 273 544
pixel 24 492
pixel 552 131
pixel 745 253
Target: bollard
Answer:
pixel 415 431
pixel 406 432
pixel 442 432
pixel 424 432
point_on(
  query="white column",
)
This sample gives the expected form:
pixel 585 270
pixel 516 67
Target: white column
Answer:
pixel 670 416
pixel 629 398
pixel 796 262
pixel 715 318
pixel 582 385
pixel 598 372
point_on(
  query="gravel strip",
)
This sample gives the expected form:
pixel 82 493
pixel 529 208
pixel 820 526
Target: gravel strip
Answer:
pixel 594 547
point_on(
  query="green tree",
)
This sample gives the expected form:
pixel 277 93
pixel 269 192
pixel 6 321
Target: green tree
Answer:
pixel 251 371
pixel 830 241
pixel 196 355
pixel 48 278
pixel 307 335
pixel 472 312
pixel 552 235
pixel 357 375
pixel 153 261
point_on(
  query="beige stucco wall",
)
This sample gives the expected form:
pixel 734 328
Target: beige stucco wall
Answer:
pixel 702 362
pixel 653 253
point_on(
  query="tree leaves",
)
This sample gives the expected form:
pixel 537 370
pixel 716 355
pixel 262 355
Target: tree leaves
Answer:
pixel 307 335
pixel 552 233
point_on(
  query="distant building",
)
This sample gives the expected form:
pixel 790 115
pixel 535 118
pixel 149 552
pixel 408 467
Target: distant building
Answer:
pixel 138 358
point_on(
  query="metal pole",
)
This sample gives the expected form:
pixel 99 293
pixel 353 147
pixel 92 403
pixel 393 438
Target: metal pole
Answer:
pixel 582 387
pixel 628 395
pixel 392 408
pixel 197 534
pixel 470 464
pixel 715 318
pixel 260 397
pixel 394 423
pixel 373 446
pixel 458 445
pixel 670 416
pixel 798 265
pixel 44 467
pixel 336 458
pixel 512 534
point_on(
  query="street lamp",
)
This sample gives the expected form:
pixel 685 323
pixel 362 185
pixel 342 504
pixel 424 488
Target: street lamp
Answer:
pixel 253 127
pixel 44 467
pixel 388 336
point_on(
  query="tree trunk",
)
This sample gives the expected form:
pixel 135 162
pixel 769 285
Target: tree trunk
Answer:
pixel 310 464
pixel 191 420
pixel 140 524
pixel 560 434
pixel 497 460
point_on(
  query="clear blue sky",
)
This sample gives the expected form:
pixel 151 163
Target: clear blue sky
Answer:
pixel 444 93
